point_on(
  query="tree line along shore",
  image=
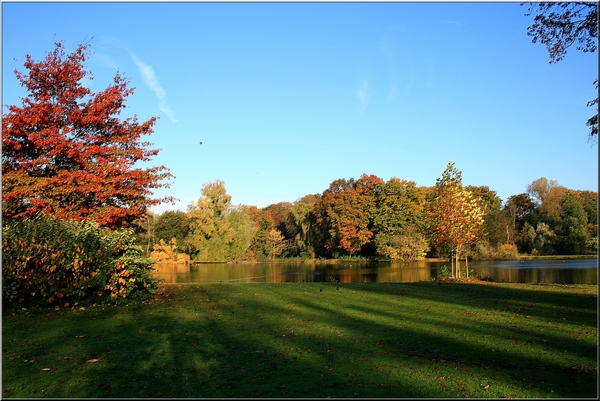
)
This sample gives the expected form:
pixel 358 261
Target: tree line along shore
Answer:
pixel 369 218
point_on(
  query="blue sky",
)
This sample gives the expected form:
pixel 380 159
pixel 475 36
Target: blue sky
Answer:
pixel 287 97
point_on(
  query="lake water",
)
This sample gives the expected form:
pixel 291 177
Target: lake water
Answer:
pixel 567 271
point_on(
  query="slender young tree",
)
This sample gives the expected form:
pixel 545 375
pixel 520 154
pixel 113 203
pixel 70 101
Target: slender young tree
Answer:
pixel 66 153
pixel 455 219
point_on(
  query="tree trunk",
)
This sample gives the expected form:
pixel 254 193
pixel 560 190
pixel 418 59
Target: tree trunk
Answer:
pixel 457 265
pixel 452 264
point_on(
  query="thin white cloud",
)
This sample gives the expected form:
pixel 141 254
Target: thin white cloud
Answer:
pixel 363 94
pixel 151 81
pixel 105 60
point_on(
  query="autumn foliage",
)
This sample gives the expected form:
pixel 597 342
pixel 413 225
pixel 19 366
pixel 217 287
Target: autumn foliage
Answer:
pixel 66 153
pixel 344 211
pixel 454 218
pixel 49 261
pixel 369 218
pixel 166 252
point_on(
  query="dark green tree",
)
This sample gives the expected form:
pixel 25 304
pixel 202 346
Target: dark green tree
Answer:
pixel 589 200
pixel 301 226
pixel 518 210
pixel 571 229
pixel 172 224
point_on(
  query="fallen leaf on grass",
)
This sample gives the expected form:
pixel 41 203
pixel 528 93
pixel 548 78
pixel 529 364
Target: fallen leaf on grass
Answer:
pixel 70 358
pixel 486 387
pixel 79 336
pixel 93 360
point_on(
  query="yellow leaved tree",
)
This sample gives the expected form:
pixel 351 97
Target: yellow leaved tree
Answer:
pixel 455 219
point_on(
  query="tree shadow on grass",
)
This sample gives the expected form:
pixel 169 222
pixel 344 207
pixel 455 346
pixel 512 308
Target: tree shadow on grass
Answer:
pixel 275 341
pixel 544 301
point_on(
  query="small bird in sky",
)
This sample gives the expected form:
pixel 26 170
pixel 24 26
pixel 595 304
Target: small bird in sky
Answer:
pixel 200 143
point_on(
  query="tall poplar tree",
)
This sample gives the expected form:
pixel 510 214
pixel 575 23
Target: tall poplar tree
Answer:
pixel 210 231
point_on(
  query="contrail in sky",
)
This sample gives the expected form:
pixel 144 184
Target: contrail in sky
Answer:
pixel 151 80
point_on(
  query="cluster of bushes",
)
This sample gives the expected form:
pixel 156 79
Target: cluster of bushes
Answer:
pixel 49 262
pixel 485 251
pixel 166 252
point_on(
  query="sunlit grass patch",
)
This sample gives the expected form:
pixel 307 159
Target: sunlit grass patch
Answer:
pixel 312 340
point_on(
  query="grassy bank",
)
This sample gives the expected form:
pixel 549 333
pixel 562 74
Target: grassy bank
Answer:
pixel 312 340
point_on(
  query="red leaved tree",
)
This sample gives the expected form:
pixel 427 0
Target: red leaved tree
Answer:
pixel 345 211
pixel 65 152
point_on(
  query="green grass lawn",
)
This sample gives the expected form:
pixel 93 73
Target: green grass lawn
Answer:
pixel 291 340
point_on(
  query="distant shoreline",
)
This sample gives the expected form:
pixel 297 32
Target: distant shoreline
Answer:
pixel 556 257
pixel 428 260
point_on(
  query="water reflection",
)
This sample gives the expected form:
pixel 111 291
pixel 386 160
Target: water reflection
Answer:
pixel 576 271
